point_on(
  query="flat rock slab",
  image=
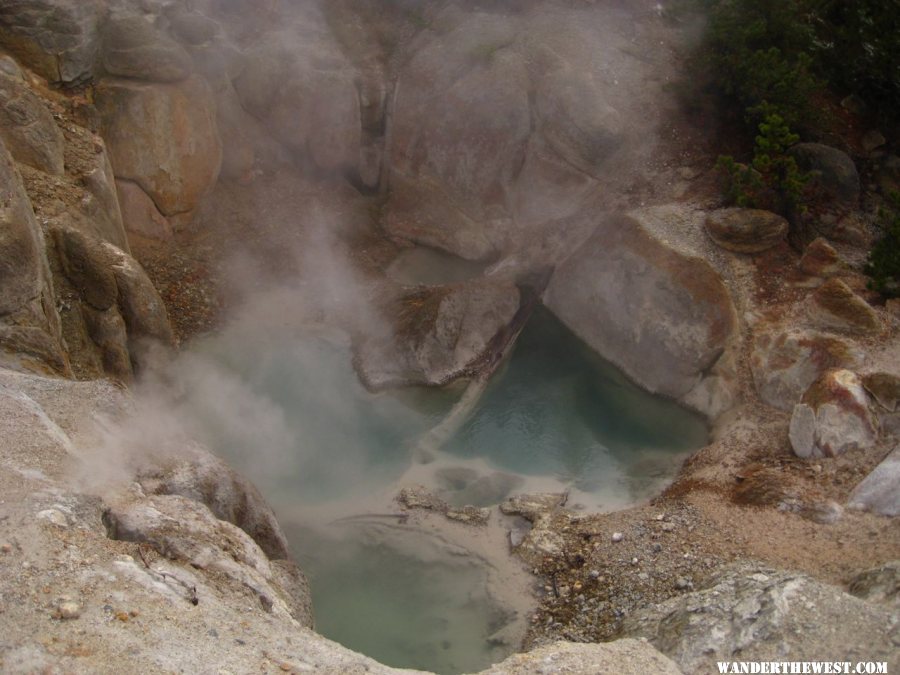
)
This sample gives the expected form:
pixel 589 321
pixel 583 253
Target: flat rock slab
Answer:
pixel 879 492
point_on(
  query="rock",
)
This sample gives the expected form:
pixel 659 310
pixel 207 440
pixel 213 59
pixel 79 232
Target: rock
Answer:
pixel 879 492
pixel 58 39
pixel 193 28
pixel 88 266
pixel 532 507
pixel 21 243
pixel 105 215
pixel 29 322
pixel 627 657
pixel 785 363
pixel 821 260
pixel 835 305
pixel 67 610
pixel 665 318
pixel 439 333
pixel 28 129
pixel 617 537
pixel 746 230
pixel 108 332
pixel 749 613
pixel 885 389
pixel 835 187
pixel 164 138
pixel 302 88
pixel 469 515
pixel 139 302
pixel 208 480
pixel 54 516
pixel 184 530
pixel 888 174
pixel 835 174
pixel 833 417
pixel 872 140
pixel 133 47
pixel 880 584
pixel 139 214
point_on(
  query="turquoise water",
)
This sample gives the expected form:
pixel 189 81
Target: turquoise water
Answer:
pixel 292 415
pixel 560 410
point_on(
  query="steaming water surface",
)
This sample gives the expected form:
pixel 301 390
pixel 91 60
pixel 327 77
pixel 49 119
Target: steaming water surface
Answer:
pixel 555 417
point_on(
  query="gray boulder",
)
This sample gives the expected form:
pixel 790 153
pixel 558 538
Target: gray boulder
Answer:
pixel 785 363
pixel 884 388
pixel 751 613
pixel 186 531
pixel 437 334
pixel 665 318
pixel 879 492
pixel 746 230
pixel 58 39
pixel 832 417
pixel 28 129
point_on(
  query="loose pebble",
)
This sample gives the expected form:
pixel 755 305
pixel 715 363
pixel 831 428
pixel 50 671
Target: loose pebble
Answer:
pixel 617 537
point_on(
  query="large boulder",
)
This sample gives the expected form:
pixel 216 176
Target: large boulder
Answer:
pixel 750 613
pixel 134 47
pixel 437 334
pixel 832 417
pixel 164 138
pixel 786 362
pixel 505 122
pixel 746 230
pixel 27 127
pixel 186 531
pixel 457 143
pixel 835 305
pixel 665 318
pixel 58 39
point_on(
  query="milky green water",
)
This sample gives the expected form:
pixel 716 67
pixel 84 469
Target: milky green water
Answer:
pixel 555 412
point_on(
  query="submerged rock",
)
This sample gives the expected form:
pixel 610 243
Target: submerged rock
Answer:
pixel 833 417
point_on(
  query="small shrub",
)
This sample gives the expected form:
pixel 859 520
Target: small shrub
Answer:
pixel 772 180
pixel 883 265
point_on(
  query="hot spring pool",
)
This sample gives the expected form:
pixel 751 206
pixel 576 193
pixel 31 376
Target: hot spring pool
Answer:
pixel 330 456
